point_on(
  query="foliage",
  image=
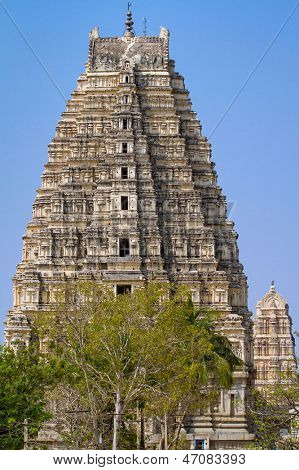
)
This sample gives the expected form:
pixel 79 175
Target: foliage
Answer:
pixel 149 348
pixel 275 415
pixel 24 378
pixel 200 363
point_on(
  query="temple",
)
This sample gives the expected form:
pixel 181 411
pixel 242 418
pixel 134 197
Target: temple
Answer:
pixel 129 193
pixel 274 344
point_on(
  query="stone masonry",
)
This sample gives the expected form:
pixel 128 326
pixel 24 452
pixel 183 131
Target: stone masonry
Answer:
pixel 130 194
pixel 274 344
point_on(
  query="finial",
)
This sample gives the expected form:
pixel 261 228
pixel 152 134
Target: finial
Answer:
pixel 272 288
pixel 129 22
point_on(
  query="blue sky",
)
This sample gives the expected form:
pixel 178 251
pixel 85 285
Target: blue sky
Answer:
pixel 216 45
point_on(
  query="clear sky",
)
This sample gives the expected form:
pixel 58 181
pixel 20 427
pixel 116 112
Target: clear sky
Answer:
pixel 216 45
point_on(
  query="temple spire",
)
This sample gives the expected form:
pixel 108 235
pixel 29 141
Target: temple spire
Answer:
pixel 129 23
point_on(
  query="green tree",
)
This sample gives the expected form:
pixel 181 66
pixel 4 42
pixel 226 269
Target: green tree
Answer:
pixel 25 377
pixel 150 349
pixel 200 362
pixel 66 334
pixel 274 411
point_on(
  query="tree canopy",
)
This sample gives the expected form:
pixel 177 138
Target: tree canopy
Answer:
pixel 25 377
pixel 150 349
pixel 274 411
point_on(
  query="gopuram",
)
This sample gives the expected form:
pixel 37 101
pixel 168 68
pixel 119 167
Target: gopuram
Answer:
pixel 130 194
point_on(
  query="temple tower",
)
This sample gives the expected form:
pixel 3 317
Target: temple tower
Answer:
pixel 274 353
pixel 129 194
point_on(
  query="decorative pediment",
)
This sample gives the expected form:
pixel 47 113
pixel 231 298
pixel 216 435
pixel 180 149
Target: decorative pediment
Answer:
pixel 272 300
pixel 141 53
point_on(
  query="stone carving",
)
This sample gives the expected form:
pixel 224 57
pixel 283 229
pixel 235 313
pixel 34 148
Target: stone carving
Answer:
pixel 129 130
pixel 143 53
pixel 274 355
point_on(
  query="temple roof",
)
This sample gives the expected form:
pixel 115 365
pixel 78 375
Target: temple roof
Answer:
pixel 138 52
pixel 272 300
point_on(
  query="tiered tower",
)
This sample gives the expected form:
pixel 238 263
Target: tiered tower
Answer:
pixel 130 194
pixel 274 353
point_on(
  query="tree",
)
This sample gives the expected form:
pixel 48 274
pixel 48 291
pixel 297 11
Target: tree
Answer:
pixel 204 364
pixel 66 333
pixel 150 349
pixel 25 376
pixel 274 411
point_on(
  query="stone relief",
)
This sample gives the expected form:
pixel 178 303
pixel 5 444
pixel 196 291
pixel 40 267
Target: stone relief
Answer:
pixel 142 55
pixel 118 139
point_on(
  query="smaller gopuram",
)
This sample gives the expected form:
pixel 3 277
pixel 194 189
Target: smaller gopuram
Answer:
pixel 274 344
